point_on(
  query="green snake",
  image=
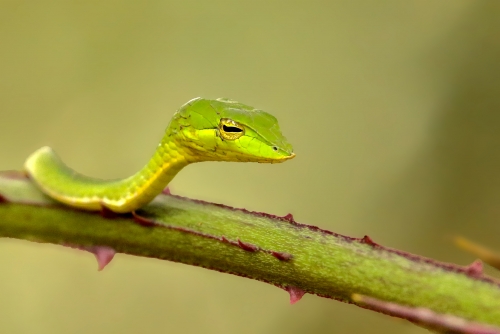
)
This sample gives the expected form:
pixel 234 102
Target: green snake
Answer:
pixel 201 130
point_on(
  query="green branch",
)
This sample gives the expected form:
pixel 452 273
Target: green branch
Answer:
pixel 277 250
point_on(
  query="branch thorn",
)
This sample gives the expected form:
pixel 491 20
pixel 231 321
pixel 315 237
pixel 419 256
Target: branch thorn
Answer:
pixel 475 269
pixel 367 240
pixel 103 255
pixel 247 246
pixel 282 256
pixel 296 294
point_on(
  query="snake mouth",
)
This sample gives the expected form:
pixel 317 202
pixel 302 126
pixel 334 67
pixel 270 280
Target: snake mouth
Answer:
pixel 282 159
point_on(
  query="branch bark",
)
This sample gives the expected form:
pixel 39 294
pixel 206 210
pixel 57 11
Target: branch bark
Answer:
pixel 296 257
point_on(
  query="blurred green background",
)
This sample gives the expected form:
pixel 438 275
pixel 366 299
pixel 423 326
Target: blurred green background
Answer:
pixel 392 107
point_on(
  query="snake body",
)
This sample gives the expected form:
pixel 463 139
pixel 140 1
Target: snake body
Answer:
pixel 201 130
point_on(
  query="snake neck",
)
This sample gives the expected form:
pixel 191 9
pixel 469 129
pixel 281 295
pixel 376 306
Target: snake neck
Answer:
pixel 141 188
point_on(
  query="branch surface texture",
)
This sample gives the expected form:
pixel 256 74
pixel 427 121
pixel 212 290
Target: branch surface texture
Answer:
pixel 296 257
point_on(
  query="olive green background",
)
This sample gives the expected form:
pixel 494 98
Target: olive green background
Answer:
pixel 392 108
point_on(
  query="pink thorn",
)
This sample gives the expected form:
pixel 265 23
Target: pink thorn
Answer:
pixel 282 256
pixel 166 191
pixel 369 241
pixel 295 294
pixel 475 269
pixel 288 217
pixel 248 247
pixel 103 255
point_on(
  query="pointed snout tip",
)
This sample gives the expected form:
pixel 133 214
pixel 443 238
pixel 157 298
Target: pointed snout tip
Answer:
pixel 281 159
pixel 291 156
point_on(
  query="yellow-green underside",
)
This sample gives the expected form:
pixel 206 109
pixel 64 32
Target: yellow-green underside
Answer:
pixel 123 195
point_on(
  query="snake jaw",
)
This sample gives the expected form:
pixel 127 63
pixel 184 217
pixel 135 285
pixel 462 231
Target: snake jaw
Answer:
pixel 282 159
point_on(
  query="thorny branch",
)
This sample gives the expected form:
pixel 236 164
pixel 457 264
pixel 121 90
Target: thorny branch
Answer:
pixel 295 257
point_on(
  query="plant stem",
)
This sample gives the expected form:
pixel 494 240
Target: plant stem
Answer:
pixel 277 250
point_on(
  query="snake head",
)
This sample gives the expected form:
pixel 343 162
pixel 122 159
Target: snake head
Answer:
pixel 226 130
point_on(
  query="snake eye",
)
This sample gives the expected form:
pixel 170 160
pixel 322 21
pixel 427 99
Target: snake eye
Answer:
pixel 230 130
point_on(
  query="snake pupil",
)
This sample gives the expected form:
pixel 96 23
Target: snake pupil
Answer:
pixel 231 128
